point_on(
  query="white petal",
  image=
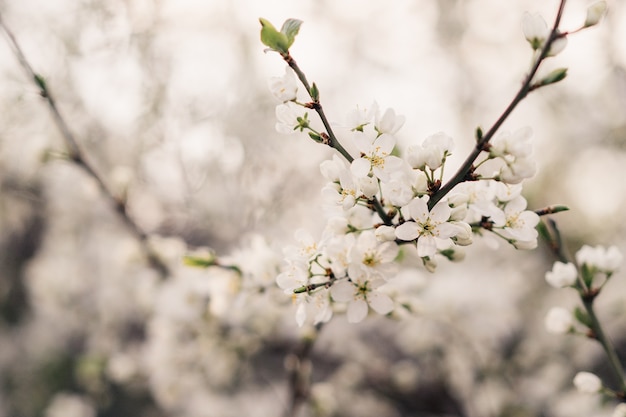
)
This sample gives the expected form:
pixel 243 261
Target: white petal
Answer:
pixel 407 231
pixel 360 167
pixel 426 246
pixel 381 303
pixel 357 311
pixel 343 291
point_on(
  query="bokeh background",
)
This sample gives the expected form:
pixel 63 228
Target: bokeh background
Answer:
pixel 169 101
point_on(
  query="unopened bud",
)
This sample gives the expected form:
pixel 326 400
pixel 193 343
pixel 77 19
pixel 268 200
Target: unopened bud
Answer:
pixel 595 12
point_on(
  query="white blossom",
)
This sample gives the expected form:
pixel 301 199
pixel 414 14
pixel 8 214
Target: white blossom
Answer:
pixel 287 117
pixel 431 153
pixel 284 88
pixel 389 122
pixel 562 275
pixel 426 226
pixel 536 31
pixel 559 320
pixel 600 258
pixel 375 156
pixel 359 295
pixel 595 13
pixel 587 383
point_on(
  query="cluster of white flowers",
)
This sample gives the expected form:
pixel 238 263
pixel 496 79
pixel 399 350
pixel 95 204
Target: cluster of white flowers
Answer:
pixel 594 266
pixel 379 202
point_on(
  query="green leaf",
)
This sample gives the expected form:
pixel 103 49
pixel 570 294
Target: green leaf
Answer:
pixel 290 29
pixel 272 38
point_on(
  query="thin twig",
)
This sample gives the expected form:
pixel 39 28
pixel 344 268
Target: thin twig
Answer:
pixel 76 155
pixel 588 296
pixel 481 144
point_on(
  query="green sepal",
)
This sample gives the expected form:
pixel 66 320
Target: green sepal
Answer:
pixel 582 317
pixel 290 29
pixel 315 93
pixel 272 38
pixel 587 275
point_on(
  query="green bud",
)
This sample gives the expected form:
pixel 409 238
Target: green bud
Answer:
pixel 554 77
pixel 315 137
pixel 315 93
pixel 479 134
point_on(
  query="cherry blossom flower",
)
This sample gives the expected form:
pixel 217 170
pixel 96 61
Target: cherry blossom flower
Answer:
pixel 287 115
pixel 562 275
pixel 600 258
pixel 431 153
pixel 518 224
pixel 587 383
pixel 375 156
pixel 427 226
pixel 360 295
pixel 559 320
pixel 389 122
pixel 371 258
pixel 284 88
pixel 536 31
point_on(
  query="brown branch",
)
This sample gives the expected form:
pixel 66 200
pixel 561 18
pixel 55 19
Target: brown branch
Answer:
pixel 77 156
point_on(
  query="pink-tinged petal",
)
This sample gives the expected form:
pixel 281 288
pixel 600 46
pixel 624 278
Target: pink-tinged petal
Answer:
pixel 441 212
pixel 426 246
pixel 380 303
pixel 418 210
pixel 343 291
pixel 407 231
pixel 384 144
pixel 360 167
pixel 357 311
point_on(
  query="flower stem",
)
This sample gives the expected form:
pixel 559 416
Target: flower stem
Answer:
pixel 317 106
pixel 616 366
pixel 333 141
pixel 481 144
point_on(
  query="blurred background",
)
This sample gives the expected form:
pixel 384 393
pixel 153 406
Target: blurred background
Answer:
pixel 169 101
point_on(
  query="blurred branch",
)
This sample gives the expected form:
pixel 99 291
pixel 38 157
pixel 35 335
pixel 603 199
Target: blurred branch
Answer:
pixel 300 367
pixel 587 294
pixel 77 156
pixel 482 143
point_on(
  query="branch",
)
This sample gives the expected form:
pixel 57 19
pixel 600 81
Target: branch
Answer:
pixel 481 144
pixel 77 156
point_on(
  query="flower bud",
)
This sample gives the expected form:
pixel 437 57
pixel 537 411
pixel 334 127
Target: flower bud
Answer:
pixel 559 320
pixel 587 383
pixel 562 275
pixel 595 13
